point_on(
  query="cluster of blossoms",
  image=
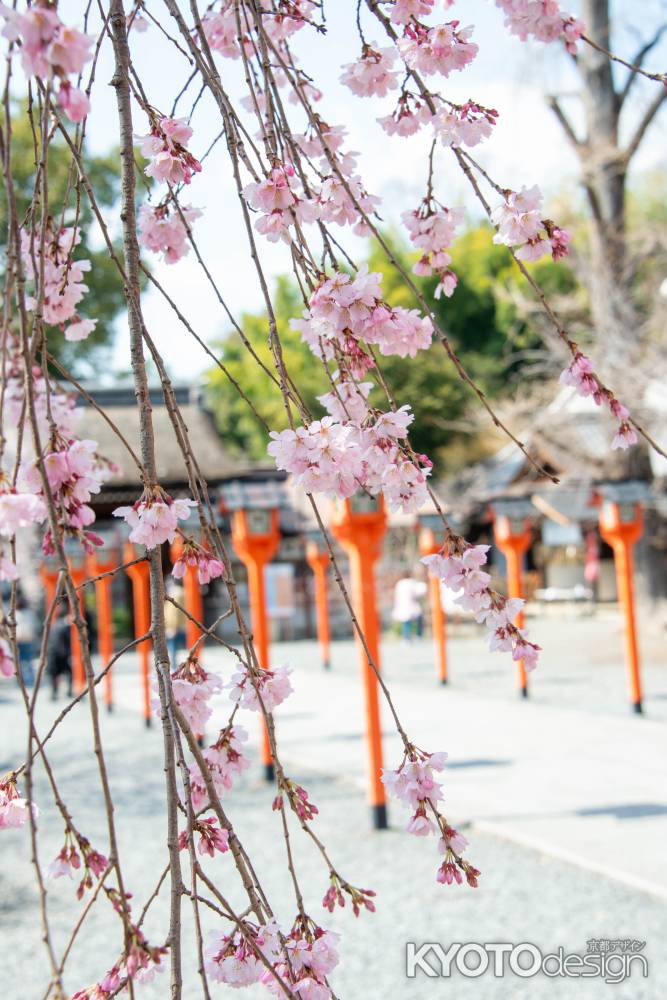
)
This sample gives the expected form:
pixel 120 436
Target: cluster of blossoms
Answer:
pixel 69 861
pixel 154 517
pixel 339 889
pixel 356 447
pixel 13 808
pixel 225 760
pixel 440 49
pixel 194 556
pixel 407 117
pixel 404 11
pixel 459 566
pixel 212 837
pixel 139 965
pixel 64 286
pixel 303 960
pixel 432 231
pixel 281 20
pixel 372 74
pixel 543 20
pixel 51 50
pixel 6 659
pixel 166 232
pixel 165 147
pixel 342 312
pixel 580 375
pixel 18 510
pixel 520 224
pixel 298 799
pixel 247 687
pixel 192 687
pixel 463 124
pixel 74 472
pixel 415 784
pixel 282 203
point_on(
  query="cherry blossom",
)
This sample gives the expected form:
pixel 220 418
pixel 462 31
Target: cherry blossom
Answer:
pixel 166 232
pixel 338 890
pixel 192 687
pixel 6 660
pixel 212 837
pixel 432 231
pixel 225 760
pixel 8 570
pixel 48 47
pixel 403 11
pixel 543 20
pixel 313 955
pixel 208 567
pixel 165 147
pixel 459 567
pixel 271 685
pixel 580 375
pixel 407 117
pixel 154 517
pixel 277 198
pixel 520 224
pixel 463 125
pixel 64 286
pixel 74 102
pixel 372 74
pixel 437 50
pixel 13 808
pixel 18 510
pixel 234 960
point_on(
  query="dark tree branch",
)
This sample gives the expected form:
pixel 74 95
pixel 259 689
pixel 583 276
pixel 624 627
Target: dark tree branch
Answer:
pixel 565 123
pixel 644 124
pixel 638 62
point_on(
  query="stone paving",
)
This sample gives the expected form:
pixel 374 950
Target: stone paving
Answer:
pixel 563 800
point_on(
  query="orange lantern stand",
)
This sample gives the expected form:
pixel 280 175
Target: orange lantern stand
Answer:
pixel 194 603
pixel 256 537
pixel 78 574
pixel 139 575
pixel 514 537
pixel 360 525
pixel 621 526
pixel 49 579
pixel 318 560
pixel 95 565
pixel 429 545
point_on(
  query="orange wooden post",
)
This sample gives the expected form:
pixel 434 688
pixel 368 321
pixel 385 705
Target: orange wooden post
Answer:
pixel 513 538
pixel 621 526
pixel 96 564
pixel 49 579
pixel 256 537
pixel 141 600
pixel 78 574
pixel 429 545
pixel 194 603
pixel 359 525
pixel 319 563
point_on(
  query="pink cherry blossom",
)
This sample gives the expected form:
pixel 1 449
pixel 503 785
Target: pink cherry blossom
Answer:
pixel 372 74
pixel 192 687
pixel 80 329
pixel 432 231
pixel 231 959
pixel 437 50
pixel 13 808
pixel 165 147
pixel 313 955
pixel 463 125
pixel 226 761
pixel 47 45
pixel 520 224
pixel 18 510
pixel 74 102
pixel 403 11
pixel 543 20
pixel 212 837
pixel 64 286
pixel 8 570
pixel 154 517
pixel 166 232
pixel 272 686
pixel 414 781
pixel 208 567
pixel 6 660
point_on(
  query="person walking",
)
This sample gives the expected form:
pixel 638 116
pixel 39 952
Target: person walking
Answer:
pixel 25 638
pixel 59 653
pixel 408 594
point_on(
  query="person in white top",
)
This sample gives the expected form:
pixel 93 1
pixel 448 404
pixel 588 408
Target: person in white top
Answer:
pixel 408 594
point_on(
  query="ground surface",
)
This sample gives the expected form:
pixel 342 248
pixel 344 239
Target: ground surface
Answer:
pixel 563 797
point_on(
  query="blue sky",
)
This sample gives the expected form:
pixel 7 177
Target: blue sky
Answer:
pixel 527 147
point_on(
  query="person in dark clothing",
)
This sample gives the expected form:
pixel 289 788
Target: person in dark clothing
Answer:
pixel 59 655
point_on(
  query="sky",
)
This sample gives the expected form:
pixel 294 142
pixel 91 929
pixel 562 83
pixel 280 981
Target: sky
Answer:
pixel 527 147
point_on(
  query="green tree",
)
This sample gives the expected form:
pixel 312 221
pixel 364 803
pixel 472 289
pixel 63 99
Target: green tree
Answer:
pixel 485 328
pixel 104 299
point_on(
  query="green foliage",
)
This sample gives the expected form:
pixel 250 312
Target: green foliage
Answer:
pixel 480 320
pixel 104 299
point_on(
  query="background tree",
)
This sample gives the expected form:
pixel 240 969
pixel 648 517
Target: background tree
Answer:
pixel 104 299
pixel 484 321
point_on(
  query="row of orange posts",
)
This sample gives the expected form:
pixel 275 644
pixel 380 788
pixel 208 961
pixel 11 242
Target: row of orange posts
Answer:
pixel 359 525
